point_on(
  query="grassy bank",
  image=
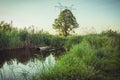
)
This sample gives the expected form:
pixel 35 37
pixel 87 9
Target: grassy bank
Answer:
pixel 95 58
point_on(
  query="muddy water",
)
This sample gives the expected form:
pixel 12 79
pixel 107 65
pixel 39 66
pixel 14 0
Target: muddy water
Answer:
pixel 20 64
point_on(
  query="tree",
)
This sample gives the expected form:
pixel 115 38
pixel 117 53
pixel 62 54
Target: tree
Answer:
pixel 65 23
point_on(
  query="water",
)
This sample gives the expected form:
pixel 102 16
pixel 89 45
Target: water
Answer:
pixel 23 63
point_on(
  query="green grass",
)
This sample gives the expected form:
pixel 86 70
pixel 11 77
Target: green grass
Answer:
pixel 88 57
pixel 78 63
pixel 95 58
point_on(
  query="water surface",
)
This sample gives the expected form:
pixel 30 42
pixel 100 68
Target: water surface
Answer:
pixel 23 63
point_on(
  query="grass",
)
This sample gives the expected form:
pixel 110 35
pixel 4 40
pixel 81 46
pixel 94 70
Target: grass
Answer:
pixel 95 58
pixel 76 64
pixel 89 57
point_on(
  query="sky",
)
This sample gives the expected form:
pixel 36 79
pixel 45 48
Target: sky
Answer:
pixel 93 16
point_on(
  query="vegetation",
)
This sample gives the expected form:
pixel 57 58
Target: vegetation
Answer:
pixel 11 37
pixel 88 57
pixel 96 57
pixel 65 23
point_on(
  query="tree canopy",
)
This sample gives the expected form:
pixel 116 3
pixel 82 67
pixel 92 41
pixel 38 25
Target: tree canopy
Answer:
pixel 65 23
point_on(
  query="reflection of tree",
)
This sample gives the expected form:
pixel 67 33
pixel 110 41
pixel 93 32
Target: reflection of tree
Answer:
pixel 21 55
pixel 25 56
pixel 2 60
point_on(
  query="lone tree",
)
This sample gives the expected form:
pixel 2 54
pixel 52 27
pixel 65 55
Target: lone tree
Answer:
pixel 65 23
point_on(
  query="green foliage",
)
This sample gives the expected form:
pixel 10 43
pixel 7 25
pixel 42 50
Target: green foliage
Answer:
pixel 72 40
pixel 5 26
pixel 39 39
pixel 110 33
pixel 65 23
pixel 57 41
pixel 14 40
pixel 11 37
pixel 78 64
pixel 3 39
pixel 95 58
pixel 89 57
pixel 23 36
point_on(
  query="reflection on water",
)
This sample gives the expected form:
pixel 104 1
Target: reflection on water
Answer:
pixel 21 55
pixel 18 65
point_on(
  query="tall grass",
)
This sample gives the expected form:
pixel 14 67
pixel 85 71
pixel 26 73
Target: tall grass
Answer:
pixel 89 57
pixel 11 37
pixel 78 64
pixel 95 58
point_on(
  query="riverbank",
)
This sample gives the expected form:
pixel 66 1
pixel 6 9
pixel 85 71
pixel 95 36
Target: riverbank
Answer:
pixel 97 57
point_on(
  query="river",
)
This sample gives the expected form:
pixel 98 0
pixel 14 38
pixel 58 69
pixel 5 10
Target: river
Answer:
pixel 20 64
